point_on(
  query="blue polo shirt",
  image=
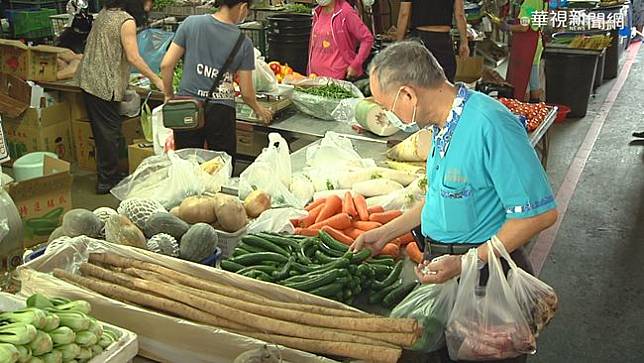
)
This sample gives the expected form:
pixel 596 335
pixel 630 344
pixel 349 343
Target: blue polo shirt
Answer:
pixel 481 171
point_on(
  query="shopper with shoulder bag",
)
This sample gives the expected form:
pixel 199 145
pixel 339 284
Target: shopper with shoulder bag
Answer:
pixel 213 51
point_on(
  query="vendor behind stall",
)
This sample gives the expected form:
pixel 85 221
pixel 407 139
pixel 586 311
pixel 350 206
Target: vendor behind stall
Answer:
pixel 205 42
pixel 337 33
pixel 431 21
pixel 484 176
pixel 104 74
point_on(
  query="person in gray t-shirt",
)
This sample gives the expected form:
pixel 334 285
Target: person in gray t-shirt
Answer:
pixel 204 42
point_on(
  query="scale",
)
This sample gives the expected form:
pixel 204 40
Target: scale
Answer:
pixel 277 104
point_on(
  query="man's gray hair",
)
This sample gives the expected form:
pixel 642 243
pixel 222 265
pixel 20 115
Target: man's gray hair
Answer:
pixel 406 63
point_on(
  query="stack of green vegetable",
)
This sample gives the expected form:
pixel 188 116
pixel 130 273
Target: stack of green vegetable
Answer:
pixel 321 266
pixel 330 90
pixel 52 331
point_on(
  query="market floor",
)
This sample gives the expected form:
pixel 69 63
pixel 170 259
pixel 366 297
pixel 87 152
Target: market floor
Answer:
pixel 595 264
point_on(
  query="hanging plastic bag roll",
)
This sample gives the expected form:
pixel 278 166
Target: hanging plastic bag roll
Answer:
pixel 487 322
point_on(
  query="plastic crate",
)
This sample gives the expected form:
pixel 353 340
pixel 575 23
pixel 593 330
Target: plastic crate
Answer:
pixel 229 241
pixel 256 31
pixel 33 20
pixel 58 22
pixel 59 6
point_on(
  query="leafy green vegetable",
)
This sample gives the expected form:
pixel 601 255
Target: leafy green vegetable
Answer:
pixel 330 91
pixel 81 306
pixel 33 316
pixel 159 5
pixel 53 322
pixel 86 338
pixel 298 9
pixel 75 320
pixel 8 353
pixel 41 344
pixel 54 356
pixel 69 351
pixel 25 354
pixel 39 301
pixel 17 333
pixel 62 336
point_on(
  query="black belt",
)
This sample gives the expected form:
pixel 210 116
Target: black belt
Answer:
pixel 437 247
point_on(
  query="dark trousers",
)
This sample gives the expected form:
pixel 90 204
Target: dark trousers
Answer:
pixel 442 47
pixel 106 128
pixel 219 131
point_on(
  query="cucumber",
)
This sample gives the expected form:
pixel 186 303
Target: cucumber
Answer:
pixel 266 269
pixel 239 251
pixel 360 256
pixel 259 275
pixel 309 247
pixel 54 213
pixel 396 295
pixel 283 272
pixel 332 243
pixel 281 241
pixel 324 258
pixel 303 269
pixel 264 244
pixel 250 248
pixel 346 294
pixel 335 263
pixel 357 290
pixel 380 271
pixel 329 291
pixel 257 258
pixel 353 269
pixel 323 279
pixel 393 276
pixel 330 251
pixel 228 265
pixel 376 297
pixel 387 261
pixel 366 271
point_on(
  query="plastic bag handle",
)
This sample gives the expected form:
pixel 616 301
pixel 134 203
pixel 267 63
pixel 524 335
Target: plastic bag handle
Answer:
pixel 496 244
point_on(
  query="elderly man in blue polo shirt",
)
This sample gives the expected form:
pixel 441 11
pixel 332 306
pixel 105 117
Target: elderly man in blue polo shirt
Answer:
pixel 484 176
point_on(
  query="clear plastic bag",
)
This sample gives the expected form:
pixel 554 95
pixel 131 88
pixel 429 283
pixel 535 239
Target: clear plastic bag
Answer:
pixel 366 113
pixel 318 106
pixel 275 220
pixel 431 306
pixel 153 44
pixel 537 300
pixel 160 134
pixel 170 178
pixel 486 322
pixel 131 104
pixel 271 172
pixel 146 121
pixel 264 79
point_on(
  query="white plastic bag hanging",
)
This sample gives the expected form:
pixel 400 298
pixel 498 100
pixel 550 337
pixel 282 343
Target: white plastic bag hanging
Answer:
pixel 486 322
pixel 431 306
pixel 537 300
pixel 271 173
pixel 264 79
pixel 160 133
pixel 172 177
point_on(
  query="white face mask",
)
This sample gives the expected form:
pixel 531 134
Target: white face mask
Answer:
pixel 323 2
pixel 395 120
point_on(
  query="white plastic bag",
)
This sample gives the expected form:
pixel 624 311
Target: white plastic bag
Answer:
pixel 131 104
pixel 160 133
pixel 264 79
pixel 271 172
pixel 402 199
pixel 366 113
pixel 486 322
pixel 275 220
pixel 538 301
pixel 431 306
pixel 172 177
pixel 318 106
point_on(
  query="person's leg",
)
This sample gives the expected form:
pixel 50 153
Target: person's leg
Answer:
pixel 105 121
pixel 442 48
pixel 189 139
pixel 221 129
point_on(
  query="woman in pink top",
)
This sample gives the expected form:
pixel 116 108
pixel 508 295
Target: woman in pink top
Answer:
pixel 340 41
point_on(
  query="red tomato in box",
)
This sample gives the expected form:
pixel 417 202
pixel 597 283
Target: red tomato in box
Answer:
pixel 276 67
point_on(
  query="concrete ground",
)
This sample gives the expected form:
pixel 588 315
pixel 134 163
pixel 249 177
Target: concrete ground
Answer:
pixel 595 264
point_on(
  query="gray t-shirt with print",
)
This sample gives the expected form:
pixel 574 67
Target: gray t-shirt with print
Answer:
pixel 207 43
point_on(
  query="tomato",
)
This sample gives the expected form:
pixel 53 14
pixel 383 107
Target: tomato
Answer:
pixel 286 70
pixel 275 67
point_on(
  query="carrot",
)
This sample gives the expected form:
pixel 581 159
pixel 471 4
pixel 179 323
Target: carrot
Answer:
pixel 366 225
pixel 406 239
pixel 375 209
pixel 353 232
pixel 385 217
pixel 309 232
pixel 338 221
pixel 296 222
pixel 310 219
pixel 339 236
pixel 390 249
pixel 315 204
pixel 414 252
pixel 349 207
pixel 361 207
pixel 332 206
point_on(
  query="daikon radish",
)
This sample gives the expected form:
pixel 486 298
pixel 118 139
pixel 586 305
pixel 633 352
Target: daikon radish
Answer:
pixel 412 167
pixel 403 177
pixel 347 180
pixel 302 187
pixel 414 148
pixel 376 187
pixel 327 193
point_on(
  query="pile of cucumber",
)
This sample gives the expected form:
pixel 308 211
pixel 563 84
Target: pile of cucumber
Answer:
pixel 321 266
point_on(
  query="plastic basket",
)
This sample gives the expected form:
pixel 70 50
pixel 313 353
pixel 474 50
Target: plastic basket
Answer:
pixel 32 21
pixel 562 113
pixel 58 22
pixel 256 31
pixel 229 241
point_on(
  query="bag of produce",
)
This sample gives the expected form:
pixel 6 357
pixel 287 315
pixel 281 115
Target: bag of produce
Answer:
pixel 487 322
pixel 264 79
pixel 366 113
pixel 537 300
pixel 431 305
pixel 321 96
pixel 170 178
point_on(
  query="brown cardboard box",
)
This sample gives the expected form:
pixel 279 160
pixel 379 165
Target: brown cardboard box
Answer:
pixel 15 95
pixel 43 65
pixel 469 69
pixel 15 58
pixel 85 147
pixel 76 104
pixel 24 138
pixel 137 152
pixel 43 201
pixel 250 142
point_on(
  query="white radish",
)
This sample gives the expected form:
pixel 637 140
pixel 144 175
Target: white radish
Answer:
pixel 346 181
pixel 403 177
pixel 376 187
pixel 327 193
pixel 302 188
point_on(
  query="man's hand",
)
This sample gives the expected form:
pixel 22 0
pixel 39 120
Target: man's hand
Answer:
pixel 439 270
pixel 158 82
pixel 264 114
pixel 351 73
pixel 464 50
pixel 374 240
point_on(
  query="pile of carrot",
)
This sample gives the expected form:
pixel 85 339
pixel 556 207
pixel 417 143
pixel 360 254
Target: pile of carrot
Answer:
pixel 345 219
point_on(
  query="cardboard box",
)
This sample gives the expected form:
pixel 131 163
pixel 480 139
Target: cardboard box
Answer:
pixel 15 95
pixel 76 105
pixel 15 58
pixel 43 65
pixel 250 142
pixel 43 201
pixel 468 69
pixel 85 147
pixel 137 152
